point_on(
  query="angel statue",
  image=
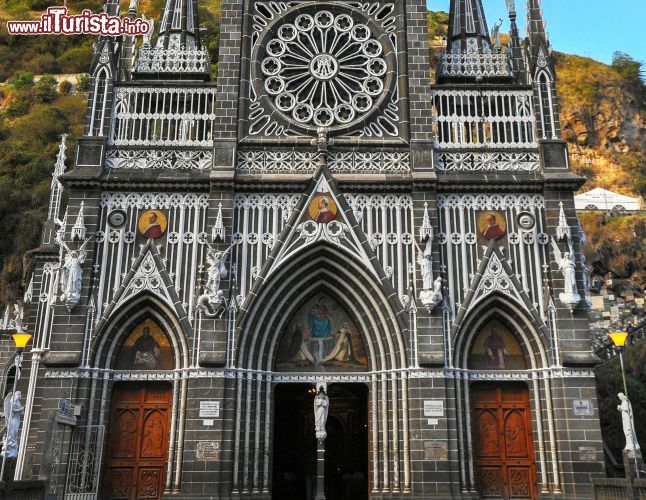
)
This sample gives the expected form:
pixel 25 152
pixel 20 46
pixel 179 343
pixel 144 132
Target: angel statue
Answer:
pixel 13 411
pixel 72 273
pixel 570 296
pixel 212 299
pixel 321 408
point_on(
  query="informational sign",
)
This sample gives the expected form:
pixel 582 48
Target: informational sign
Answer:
pixel 587 454
pixel 207 451
pixel 209 409
pixel 208 422
pixel 433 408
pixel 65 407
pixel 436 450
pixel 65 413
pixel 582 407
pixel 433 421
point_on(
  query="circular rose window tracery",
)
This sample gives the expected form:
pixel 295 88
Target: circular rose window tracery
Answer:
pixel 324 69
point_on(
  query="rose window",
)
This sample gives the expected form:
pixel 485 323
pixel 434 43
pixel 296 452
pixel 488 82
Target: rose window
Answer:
pixel 324 69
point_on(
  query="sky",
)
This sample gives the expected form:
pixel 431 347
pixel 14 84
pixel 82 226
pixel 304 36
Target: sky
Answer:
pixel 592 28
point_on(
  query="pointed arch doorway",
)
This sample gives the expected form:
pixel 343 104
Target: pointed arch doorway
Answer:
pixel 502 421
pixel 346 445
pixel 140 419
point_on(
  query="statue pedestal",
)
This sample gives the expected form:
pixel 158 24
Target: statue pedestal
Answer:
pixel 320 469
pixel 634 464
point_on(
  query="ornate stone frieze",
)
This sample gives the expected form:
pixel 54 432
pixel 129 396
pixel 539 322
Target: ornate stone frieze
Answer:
pixel 501 162
pixel 478 64
pixel 158 159
pixel 295 162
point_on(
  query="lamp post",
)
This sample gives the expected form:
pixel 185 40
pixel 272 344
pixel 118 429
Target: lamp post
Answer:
pixel 619 340
pixel 20 340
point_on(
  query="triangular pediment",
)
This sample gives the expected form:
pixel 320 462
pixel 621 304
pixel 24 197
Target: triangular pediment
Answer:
pixel 495 276
pixel 148 274
pixel 323 216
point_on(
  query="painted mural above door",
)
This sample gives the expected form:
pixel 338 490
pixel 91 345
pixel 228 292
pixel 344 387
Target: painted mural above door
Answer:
pixel 321 337
pixel 496 348
pixel 146 348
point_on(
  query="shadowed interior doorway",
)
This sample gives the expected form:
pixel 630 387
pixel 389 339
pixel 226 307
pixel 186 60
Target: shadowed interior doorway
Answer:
pixel 346 456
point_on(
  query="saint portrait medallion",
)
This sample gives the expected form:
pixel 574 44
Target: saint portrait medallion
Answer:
pixel 323 209
pixel 152 224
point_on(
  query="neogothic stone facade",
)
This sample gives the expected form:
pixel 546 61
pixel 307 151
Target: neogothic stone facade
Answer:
pixel 325 214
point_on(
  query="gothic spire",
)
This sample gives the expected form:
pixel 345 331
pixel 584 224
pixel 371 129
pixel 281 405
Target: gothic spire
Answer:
pixel 178 52
pixel 538 44
pixel 468 30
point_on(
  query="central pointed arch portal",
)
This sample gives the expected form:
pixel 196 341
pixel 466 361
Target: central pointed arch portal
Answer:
pixel 363 293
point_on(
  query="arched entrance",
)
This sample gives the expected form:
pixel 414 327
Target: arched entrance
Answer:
pixel 500 416
pixel 346 445
pixel 318 350
pixel 139 424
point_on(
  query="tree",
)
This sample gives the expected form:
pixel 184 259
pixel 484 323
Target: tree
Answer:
pixel 46 89
pixel 631 71
pixel 22 80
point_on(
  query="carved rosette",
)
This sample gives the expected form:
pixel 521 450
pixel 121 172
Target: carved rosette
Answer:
pixel 325 65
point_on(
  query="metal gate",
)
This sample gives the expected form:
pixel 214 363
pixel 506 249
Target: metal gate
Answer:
pixel 84 470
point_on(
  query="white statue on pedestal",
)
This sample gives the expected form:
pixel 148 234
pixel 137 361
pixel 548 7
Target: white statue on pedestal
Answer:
pixel 321 408
pixel 71 273
pixel 13 410
pixel 570 296
pixel 210 302
pixel 628 422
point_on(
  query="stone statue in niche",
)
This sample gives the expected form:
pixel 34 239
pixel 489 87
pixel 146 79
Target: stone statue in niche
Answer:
pixel 321 408
pixel 431 294
pixel 13 411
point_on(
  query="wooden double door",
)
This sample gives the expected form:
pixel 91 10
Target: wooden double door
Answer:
pixel 137 447
pixel 503 453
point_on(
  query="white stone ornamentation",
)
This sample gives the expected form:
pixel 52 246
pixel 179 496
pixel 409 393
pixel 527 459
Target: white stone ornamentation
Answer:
pixel 324 69
pixel 158 159
pixel 71 272
pixel 570 296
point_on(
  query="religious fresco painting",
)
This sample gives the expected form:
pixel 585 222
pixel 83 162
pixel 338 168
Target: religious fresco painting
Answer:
pixel 146 348
pixel 496 348
pixel 321 337
pixel 152 224
pixel 491 226
pixel 323 209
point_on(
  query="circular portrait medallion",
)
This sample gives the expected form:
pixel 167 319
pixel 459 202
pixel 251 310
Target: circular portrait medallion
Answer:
pixel 152 224
pixel 323 209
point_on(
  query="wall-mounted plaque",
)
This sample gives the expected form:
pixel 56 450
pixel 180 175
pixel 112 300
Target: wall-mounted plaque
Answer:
pixel 587 454
pixel 433 408
pixel 209 409
pixel 436 450
pixel 582 407
pixel 207 451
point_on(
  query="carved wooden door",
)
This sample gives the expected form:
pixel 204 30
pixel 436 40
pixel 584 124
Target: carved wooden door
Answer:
pixel 503 448
pixel 137 449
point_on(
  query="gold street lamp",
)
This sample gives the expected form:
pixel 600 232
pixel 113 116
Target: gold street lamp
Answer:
pixel 20 340
pixel 619 340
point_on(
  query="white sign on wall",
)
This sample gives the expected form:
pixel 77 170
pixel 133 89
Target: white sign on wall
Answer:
pixel 433 408
pixel 209 409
